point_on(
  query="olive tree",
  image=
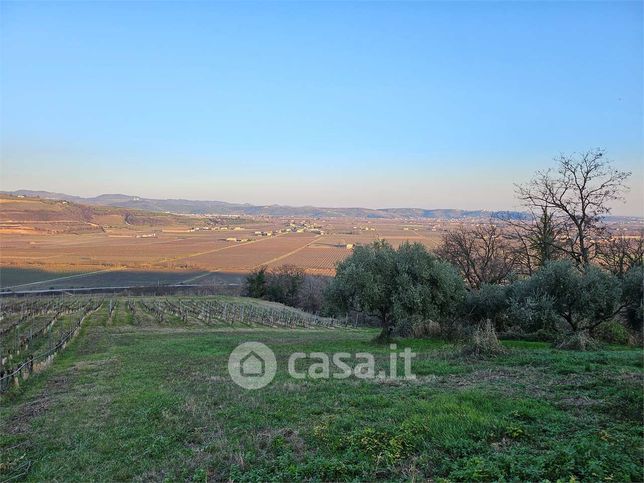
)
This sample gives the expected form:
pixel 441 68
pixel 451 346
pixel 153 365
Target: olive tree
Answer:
pixel 393 285
pixel 488 303
pixel 578 301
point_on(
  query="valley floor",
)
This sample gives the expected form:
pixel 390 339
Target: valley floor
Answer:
pixel 155 401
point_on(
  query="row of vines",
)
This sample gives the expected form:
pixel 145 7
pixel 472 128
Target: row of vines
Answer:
pixel 33 330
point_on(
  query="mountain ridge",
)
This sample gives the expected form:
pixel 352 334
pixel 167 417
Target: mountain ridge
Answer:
pixel 206 207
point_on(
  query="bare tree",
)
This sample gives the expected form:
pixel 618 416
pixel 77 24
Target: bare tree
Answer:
pixel 536 238
pixel 578 194
pixel 619 254
pixel 284 283
pixel 483 254
pixel 311 294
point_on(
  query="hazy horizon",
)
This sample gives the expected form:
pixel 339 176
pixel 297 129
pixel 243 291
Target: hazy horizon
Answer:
pixel 374 105
pixel 375 207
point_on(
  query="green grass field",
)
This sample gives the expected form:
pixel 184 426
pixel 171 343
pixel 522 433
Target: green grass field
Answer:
pixel 155 402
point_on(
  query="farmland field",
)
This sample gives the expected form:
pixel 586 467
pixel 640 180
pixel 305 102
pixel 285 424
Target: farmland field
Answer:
pixel 35 252
pixel 37 280
pixel 143 392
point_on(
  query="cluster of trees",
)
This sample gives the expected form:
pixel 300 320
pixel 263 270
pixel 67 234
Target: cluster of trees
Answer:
pixel 289 285
pixel 558 270
pixel 412 284
pixel 560 298
pixel 564 219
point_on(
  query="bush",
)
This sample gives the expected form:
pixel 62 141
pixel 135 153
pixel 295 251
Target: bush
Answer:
pixel 455 329
pixel 531 312
pixel 282 284
pixel 311 294
pixel 559 296
pixel 578 341
pixel 255 285
pixel 418 328
pixel 516 333
pixel 633 297
pixel 612 332
pixel 484 342
pixel 490 302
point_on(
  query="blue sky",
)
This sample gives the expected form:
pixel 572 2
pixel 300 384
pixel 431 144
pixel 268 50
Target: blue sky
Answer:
pixel 425 104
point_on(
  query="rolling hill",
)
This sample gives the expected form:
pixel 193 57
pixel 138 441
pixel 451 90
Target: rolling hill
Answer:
pixel 199 207
pixel 21 214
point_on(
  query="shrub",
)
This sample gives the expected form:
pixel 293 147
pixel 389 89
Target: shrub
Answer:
pixel 633 297
pixel 282 284
pixel 418 328
pixel 484 342
pixel 578 341
pixel 311 293
pixel 255 285
pixel 490 302
pixel 517 333
pixel 612 332
pixel 456 329
pixel 561 296
pixel 530 311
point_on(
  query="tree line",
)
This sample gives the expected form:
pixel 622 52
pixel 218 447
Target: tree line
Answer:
pixel 556 273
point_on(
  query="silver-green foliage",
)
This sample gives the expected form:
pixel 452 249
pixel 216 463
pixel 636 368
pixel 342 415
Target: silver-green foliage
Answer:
pixel 396 284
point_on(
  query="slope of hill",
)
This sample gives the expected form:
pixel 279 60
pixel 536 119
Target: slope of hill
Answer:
pixel 20 214
pixel 198 207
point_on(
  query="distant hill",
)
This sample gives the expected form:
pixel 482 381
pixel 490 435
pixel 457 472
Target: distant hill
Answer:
pixel 196 207
pixel 30 214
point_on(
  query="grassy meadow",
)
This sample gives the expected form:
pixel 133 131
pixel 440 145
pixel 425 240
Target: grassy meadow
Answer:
pixel 154 401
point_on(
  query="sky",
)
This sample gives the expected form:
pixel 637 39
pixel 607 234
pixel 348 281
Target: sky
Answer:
pixel 372 104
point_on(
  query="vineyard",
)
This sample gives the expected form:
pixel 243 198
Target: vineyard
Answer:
pixel 138 388
pixel 33 331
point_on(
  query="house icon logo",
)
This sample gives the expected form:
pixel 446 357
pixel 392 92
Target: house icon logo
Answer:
pixel 252 365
